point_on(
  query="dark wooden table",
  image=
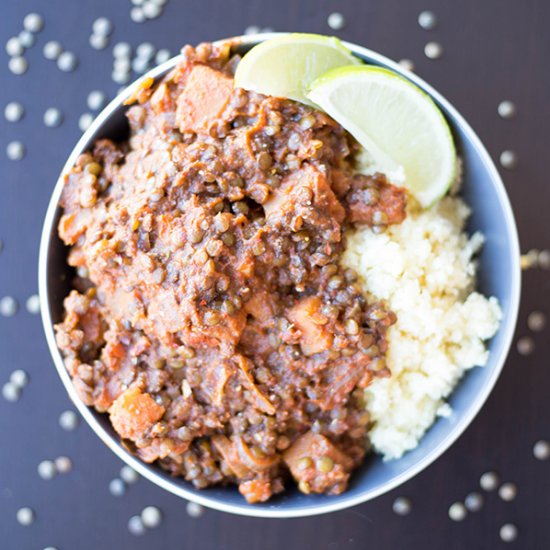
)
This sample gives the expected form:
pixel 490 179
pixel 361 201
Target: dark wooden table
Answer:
pixel 492 50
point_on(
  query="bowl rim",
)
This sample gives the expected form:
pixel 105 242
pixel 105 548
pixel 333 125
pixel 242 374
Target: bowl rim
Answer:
pixel 317 508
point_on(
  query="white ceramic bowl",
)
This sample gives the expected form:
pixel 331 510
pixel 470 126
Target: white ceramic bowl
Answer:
pixel 499 275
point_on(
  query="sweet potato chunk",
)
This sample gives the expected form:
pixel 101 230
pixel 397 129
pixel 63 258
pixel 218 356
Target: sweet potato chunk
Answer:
pixel 260 306
pixel 317 464
pixel 227 450
pixel 203 100
pixel 307 188
pixel 309 320
pixel 133 412
pixel 256 490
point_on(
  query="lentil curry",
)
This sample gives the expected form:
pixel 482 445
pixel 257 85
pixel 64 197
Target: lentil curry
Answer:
pixel 210 317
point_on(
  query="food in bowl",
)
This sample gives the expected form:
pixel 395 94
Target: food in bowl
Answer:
pixel 223 314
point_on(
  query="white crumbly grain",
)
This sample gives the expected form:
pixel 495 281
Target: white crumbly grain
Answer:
pixel 425 270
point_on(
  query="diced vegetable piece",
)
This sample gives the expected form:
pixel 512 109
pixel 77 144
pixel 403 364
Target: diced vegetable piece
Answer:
pixel 257 464
pixel 227 449
pixel 307 318
pixel 256 490
pixel 134 412
pixel 203 100
pixel 260 306
pixel 317 464
pixel 304 187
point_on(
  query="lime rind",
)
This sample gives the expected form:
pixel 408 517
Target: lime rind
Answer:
pixel 286 65
pixel 393 103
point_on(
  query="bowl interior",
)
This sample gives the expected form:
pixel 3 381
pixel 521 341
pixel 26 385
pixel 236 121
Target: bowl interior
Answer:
pixel 498 276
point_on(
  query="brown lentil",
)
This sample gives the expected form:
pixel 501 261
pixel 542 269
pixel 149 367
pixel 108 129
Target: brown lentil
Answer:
pixel 325 464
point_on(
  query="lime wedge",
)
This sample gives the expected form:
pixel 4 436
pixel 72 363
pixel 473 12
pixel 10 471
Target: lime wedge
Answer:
pixel 396 122
pixel 285 66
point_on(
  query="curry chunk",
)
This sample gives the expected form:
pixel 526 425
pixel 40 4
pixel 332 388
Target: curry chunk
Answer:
pixel 307 317
pixel 206 94
pixel 256 490
pixel 317 464
pixel 374 201
pixel 134 412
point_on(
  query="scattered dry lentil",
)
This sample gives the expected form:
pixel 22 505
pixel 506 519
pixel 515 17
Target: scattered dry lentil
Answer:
pixel 543 259
pixel 151 517
pixel 427 20
pixel 26 38
pixel 8 306
pixel 52 50
pixel 68 420
pixel 194 510
pixel 508 532
pixel 98 42
pixel 33 22
pixel 122 49
pixel 25 516
pixel 53 117
pixel 162 56
pixel 14 48
pixel 508 491
pixel 525 345
pixel 85 121
pixel 506 109
pixel 18 65
pixel 433 50
pixel 67 62
pixel 10 392
pixel 541 450
pixel 508 159
pixel 407 64
pixel 402 506
pixel 336 21
pixel 473 502
pixel 457 511
pixel 15 150
pixel 46 469
pixel 489 481
pixel 14 111
pixel 529 260
pixel 252 29
pixel 117 488
pixel 19 378
pixel 135 526
pixel 536 321
pixel 102 26
pixel 137 15
pixel 128 474
pixel 63 464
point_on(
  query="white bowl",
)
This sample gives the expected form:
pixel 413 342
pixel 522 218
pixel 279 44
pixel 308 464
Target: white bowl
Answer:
pixel 499 275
